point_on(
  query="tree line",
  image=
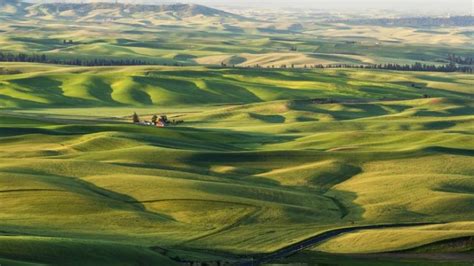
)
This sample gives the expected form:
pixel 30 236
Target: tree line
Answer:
pixel 42 58
pixel 451 67
pixel 456 63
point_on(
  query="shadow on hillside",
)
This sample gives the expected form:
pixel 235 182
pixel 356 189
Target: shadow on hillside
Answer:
pixel 55 92
pixel 351 212
pixel 123 199
pixel 85 188
pixel 102 91
pixel 246 166
pixel 363 110
pixel 448 150
pixel 268 118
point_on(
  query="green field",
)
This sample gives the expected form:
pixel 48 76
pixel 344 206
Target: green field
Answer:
pixel 293 39
pixel 257 165
pixel 165 87
pixel 273 152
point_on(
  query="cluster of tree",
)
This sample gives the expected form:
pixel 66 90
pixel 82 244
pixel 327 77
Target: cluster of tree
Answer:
pixel 155 120
pixel 462 60
pixel 453 21
pixel 42 58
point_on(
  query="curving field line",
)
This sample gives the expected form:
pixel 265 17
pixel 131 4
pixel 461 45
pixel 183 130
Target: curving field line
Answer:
pixel 239 221
pixel 230 226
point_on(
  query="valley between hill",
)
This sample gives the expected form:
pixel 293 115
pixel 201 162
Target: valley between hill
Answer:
pixel 253 168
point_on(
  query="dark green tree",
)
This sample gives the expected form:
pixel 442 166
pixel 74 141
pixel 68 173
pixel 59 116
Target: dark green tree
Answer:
pixel 154 119
pixel 135 118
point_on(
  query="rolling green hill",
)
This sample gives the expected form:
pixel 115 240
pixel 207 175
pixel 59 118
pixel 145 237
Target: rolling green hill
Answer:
pixel 264 159
pixel 186 34
pixel 280 151
pixel 171 86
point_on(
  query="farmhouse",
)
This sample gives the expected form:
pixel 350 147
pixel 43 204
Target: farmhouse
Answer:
pixel 161 121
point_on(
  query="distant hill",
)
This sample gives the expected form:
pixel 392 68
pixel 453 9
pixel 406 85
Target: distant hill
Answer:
pixel 12 7
pixel 109 11
pixel 455 21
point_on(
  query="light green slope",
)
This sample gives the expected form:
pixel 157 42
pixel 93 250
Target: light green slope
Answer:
pixel 241 178
pixel 171 86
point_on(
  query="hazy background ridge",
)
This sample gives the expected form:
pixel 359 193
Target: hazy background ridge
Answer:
pixel 441 7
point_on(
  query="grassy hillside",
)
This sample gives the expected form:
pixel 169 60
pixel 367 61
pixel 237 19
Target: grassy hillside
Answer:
pixel 197 35
pixel 171 86
pixel 263 160
pixel 56 250
pixel 395 239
